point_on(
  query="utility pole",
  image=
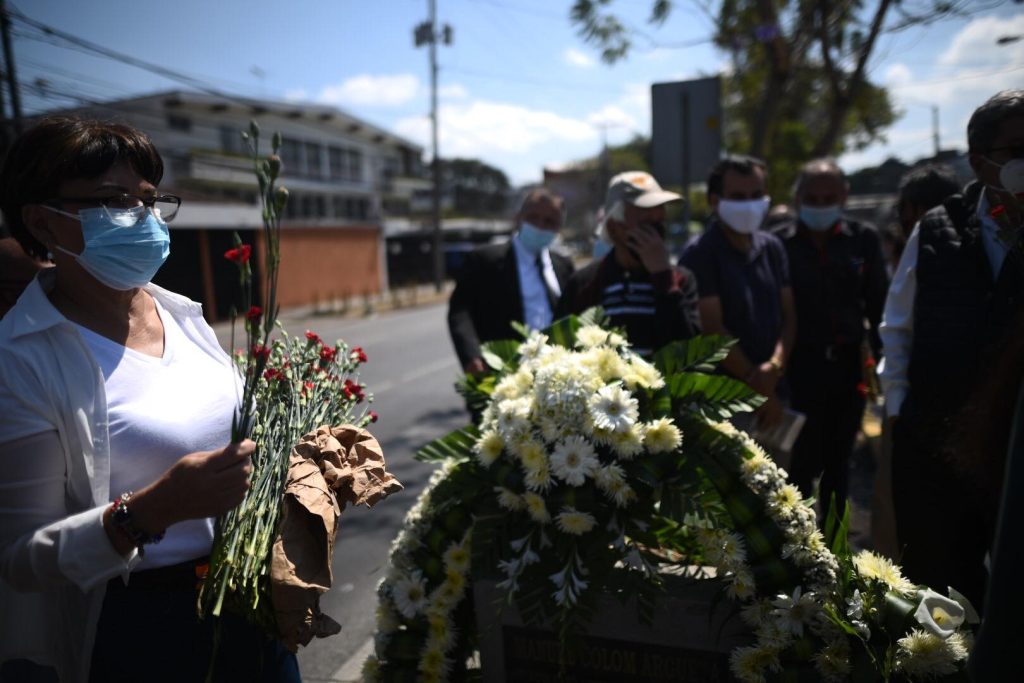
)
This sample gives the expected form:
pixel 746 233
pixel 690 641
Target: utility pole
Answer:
pixel 12 77
pixel 935 128
pixel 427 32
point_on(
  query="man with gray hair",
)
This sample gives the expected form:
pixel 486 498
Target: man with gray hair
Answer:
pixel 956 292
pixel 636 283
pixel 518 280
pixel 837 273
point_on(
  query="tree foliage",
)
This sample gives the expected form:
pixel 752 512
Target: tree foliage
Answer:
pixel 798 86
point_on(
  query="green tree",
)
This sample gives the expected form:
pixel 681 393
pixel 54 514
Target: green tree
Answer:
pixel 798 87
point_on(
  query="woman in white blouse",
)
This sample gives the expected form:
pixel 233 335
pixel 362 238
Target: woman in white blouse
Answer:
pixel 114 443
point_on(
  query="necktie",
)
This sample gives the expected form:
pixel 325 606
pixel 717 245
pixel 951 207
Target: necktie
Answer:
pixel 552 297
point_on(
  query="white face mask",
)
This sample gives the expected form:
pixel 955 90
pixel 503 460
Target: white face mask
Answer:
pixel 1011 176
pixel 744 215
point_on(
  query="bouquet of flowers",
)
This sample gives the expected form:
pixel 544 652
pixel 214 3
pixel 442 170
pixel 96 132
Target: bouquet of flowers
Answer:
pixel 295 390
pixel 591 470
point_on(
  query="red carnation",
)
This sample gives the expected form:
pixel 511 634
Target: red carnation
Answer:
pixel 997 211
pixel 313 337
pixel 273 373
pixel 254 313
pixel 373 416
pixel 353 390
pixel 358 355
pixel 869 362
pixel 862 389
pixel 239 254
pixel 327 354
pixel 260 351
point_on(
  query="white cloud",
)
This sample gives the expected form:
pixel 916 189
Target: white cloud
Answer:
pixel 453 91
pixel 480 129
pixel 370 90
pixel 976 43
pixel 897 75
pixel 578 58
pixel 296 95
pixel 613 117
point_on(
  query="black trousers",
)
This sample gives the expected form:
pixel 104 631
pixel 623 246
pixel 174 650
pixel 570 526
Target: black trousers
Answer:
pixel 943 531
pixel 824 386
pixel 149 631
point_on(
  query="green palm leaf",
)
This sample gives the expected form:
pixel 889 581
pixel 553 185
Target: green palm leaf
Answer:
pixel 699 353
pixel 458 445
pixel 715 396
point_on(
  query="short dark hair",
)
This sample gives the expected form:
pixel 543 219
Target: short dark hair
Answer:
pixel 740 163
pixel 928 186
pixel 817 168
pixel 984 124
pixel 59 149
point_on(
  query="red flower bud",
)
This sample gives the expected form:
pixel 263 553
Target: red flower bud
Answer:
pixel 313 337
pixel 869 362
pixel 358 355
pixel 239 254
pixel 862 389
pixel 327 354
pixel 260 351
pixel 373 416
pixel 254 313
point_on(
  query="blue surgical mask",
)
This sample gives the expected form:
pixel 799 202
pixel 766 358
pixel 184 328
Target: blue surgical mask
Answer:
pixel 820 218
pixel 124 248
pixel 601 249
pixel 535 240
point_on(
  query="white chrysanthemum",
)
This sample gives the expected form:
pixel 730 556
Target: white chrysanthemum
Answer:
pixel 640 373
pixel 508 499
pixel 536 507
pixel 387 619
pixel 531 454
pixel 441 630
pixel 605 363
pixel 662 436
pixel 612 408
pixel 488 447
pixel 457 557
pixel 410 595
pixel 513 386
pixel 924 655
pixel 572 521
pixel 628 443
pixel 573 460
pixel 774 635
pixel 833 662
pixel 786 497
pixel 533 347
pixel 514 417
pixel 591 335
pixel 611 480
pixel 433 665
pixel 750 664
pixel 877 568
pixel 538 479
pixel 741 585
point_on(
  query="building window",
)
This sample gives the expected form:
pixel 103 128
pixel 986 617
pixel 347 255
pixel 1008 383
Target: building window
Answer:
pixel 179 122
pixel 321 206
pixel 314 160
pixel 230 140
pixel 339 206
pixel 355 165
pixel 291 156
pixel 291 209
pixel 336 163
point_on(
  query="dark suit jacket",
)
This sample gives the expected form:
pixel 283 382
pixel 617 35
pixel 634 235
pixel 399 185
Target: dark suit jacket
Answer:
pixel 487 298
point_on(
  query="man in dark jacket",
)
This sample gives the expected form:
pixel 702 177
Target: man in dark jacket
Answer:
pixel 636 284
pixel 957 290
pixel 837 273
pixel 518 280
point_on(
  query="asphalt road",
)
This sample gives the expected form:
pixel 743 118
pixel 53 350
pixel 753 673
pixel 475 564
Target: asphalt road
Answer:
pixel 411 372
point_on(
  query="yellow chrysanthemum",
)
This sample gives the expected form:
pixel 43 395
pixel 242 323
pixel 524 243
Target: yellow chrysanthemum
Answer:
pixel 640 373
pixel 457 557
pixel 629 443
pixel 488 447
pixel 877 568
pixel 532 454
pixel 572 521
pixel 606 363
pixel 661 436
pixel 536 507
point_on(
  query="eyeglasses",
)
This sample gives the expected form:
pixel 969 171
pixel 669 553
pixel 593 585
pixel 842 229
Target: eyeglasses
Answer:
pixel 164 207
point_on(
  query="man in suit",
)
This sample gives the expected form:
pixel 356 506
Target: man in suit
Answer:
pixel 518 280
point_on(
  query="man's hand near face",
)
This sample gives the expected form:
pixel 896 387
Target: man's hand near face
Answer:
pixel 649 248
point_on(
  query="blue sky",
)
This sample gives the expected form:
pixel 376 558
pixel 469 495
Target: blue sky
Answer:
pixel 519 90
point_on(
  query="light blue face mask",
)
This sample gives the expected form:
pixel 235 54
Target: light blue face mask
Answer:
pixel 820 218
pixel 533 239
pixel 601 249
pixel 124 248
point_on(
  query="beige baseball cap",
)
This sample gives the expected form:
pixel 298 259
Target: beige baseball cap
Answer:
pixel 639 189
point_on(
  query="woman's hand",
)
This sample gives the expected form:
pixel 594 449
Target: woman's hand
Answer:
pixel 203 484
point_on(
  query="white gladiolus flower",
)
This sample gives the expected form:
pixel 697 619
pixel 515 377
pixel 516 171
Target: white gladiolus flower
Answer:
pixel 612 408
pixel 410 595
pixel 792 612
pixel 573 460
pixel 938 614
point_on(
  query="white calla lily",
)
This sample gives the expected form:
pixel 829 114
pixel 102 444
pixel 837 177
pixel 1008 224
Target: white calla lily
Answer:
pixel 938 614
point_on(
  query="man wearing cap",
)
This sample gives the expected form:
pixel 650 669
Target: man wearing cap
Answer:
pixel 839 282
pixel 518 280
pixel 635 283
pixel 743 280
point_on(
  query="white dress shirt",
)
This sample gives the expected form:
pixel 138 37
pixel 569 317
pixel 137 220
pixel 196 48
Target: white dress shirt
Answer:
pixel 537 313
pixel 55 557
pixel 897 328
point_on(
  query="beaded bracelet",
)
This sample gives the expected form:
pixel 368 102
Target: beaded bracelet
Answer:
pixel 121 518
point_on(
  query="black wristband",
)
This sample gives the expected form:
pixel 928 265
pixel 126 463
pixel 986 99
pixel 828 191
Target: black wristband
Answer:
pixel 121 518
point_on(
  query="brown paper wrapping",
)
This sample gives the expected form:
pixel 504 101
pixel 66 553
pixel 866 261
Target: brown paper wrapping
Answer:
pixel 328 469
